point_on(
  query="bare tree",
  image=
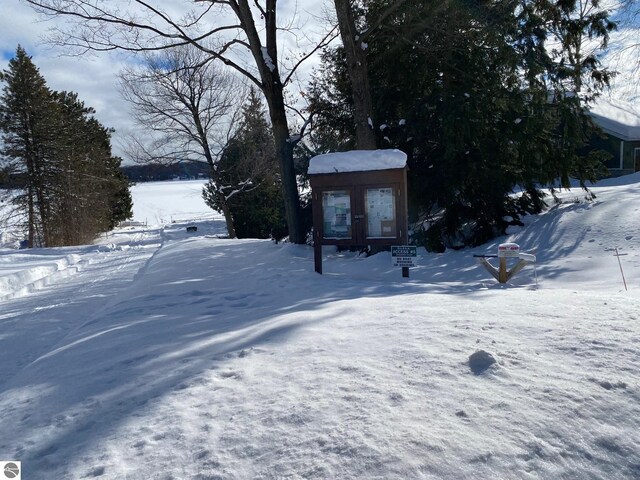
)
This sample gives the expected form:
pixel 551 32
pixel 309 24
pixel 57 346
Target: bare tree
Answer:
pixel 226 30
pixel 625 51
pixel 182 97
pixel 629 20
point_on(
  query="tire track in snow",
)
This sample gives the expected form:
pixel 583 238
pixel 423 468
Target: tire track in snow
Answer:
pixel 95 286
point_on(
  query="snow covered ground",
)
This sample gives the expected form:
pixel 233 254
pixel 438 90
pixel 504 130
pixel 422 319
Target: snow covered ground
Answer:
pixel 163 354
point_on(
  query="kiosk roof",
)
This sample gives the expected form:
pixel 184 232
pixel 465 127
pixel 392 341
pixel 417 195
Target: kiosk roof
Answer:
pixel 357 161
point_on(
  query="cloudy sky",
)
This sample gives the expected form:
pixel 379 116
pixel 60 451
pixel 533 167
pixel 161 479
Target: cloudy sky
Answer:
pixel 93 77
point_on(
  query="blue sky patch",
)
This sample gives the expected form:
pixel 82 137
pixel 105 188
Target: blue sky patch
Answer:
pixel 7 54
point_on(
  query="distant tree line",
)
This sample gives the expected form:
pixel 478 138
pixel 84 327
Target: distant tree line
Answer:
pixel 160 171
pixel 68 185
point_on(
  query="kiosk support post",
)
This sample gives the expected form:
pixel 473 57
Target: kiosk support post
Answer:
pixel 317 255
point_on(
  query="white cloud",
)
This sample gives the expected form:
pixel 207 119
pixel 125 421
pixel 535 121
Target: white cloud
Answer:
pixel 93 77
pixel 18 27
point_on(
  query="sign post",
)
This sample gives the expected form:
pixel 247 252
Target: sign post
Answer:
pixel 404 256
pixel 618 254
pixel 505 251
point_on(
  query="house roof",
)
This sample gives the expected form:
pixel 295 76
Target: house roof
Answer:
pixel 357 161
pixel 617 117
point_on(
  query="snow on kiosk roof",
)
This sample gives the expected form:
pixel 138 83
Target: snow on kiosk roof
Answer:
pixel 357 161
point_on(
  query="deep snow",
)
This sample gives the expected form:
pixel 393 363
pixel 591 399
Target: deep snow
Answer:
pixel 163 354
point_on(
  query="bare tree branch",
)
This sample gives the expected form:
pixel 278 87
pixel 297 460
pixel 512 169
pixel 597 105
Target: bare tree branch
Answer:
pixel 223 29
pixel 326 40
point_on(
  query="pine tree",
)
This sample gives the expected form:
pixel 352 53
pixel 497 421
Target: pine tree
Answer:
pixel 72 186
pixel 120 201
pixel 464 88
pixel 92 194
pixel 249 179
pixel 27 123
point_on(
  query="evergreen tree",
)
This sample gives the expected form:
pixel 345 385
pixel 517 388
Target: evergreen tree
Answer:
pixel 330 101
pixel 92 194
pixel 248 178
pixel 27 123
pixel 464 88
pixel 120 201
pixel 72 185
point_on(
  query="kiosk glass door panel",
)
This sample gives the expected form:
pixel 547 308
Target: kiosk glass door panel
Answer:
pixel 380 212
pixel 336 214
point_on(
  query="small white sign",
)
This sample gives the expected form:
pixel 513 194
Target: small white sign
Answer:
pixel 404 256
pixel 11 470
pixel 508 250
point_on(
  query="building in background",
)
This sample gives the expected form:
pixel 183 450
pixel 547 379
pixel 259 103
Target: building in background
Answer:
pixel 620 121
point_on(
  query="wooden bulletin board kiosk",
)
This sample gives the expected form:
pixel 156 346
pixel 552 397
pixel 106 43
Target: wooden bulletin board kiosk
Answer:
pixel 359 199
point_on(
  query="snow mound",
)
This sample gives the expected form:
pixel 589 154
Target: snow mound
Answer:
pixel 481 361
pixel 22 281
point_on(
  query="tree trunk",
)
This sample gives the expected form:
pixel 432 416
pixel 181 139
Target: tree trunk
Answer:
pixel 284 153
pixel 266 59
pixel 31 217
pixel 356 53
pixel 231 228
pixel 42 203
